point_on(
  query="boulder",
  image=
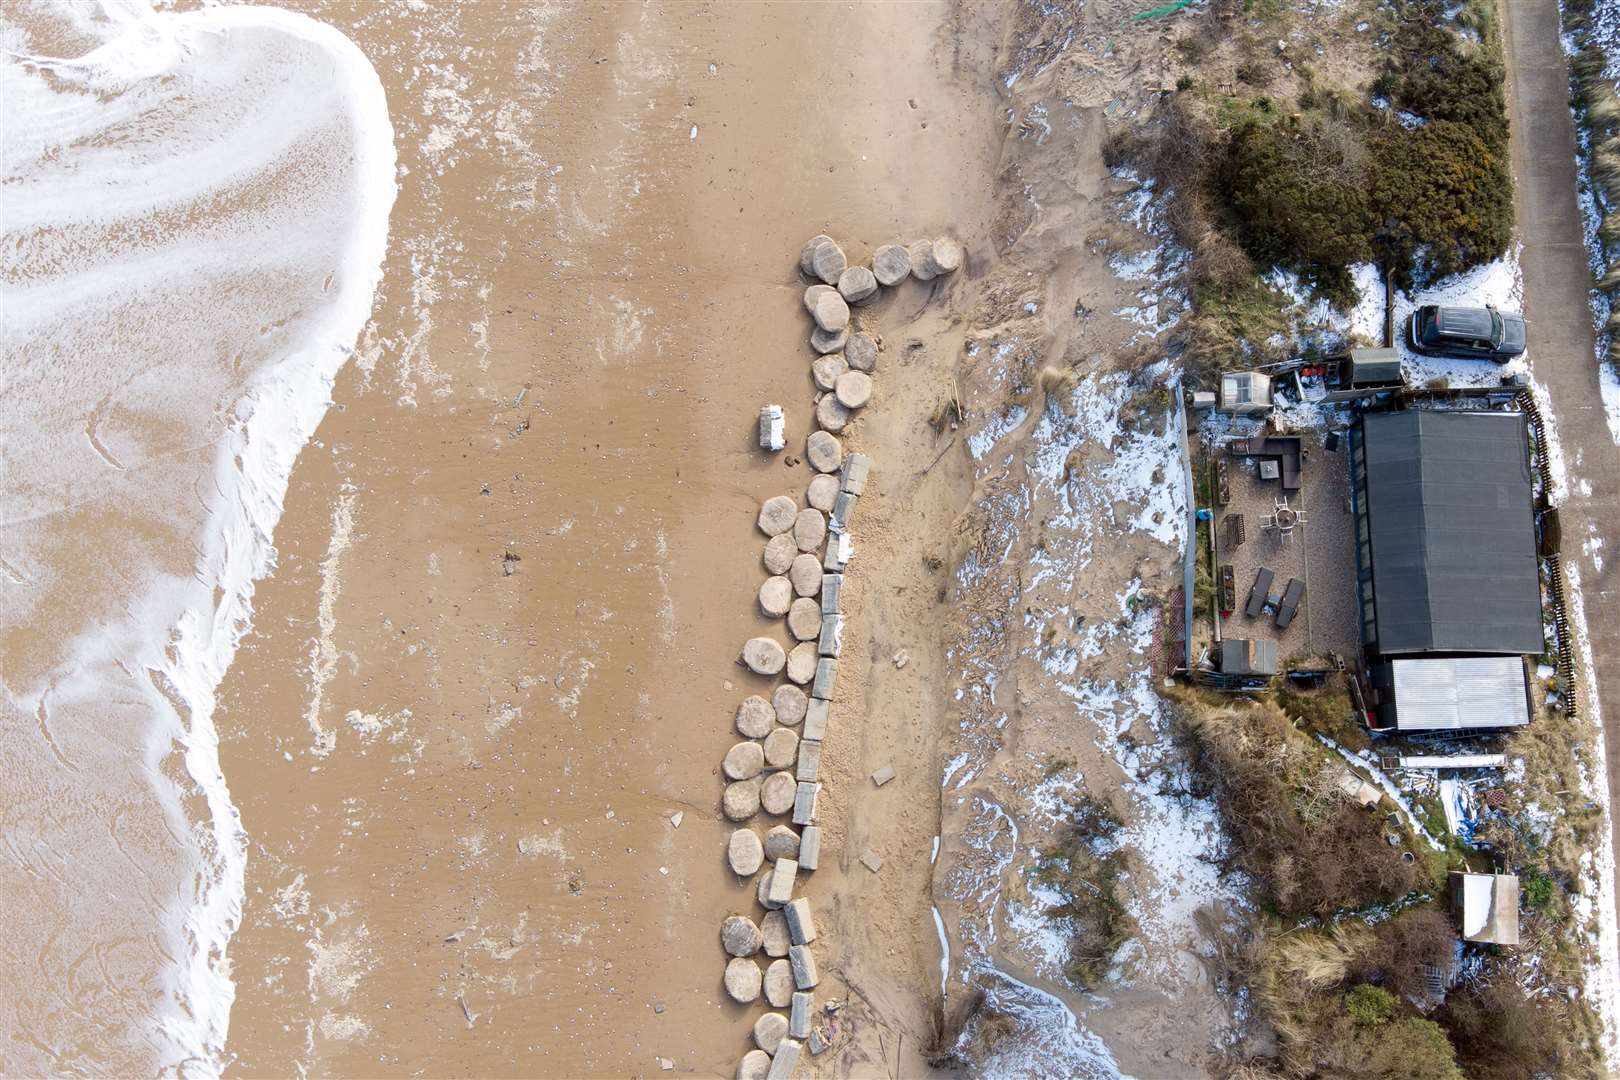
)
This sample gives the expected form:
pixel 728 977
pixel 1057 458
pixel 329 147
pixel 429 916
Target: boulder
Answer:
pixel 827 308
pixel 755 1065
pixel 805 576
pixel 947 255
pixel 769 1031
pixel 814 293
pixel 827 261
pixel 775 596
pixel 856 284
pixel 754 717
pixel 831 413
pixel 890 264
pixel 741 800
pixel 776 515
pixel 781 843
pixel 745 853
pixel 807 255
pixel 809 529
pixel 801 662
pixel 780 550
pixel 854 389
pixel 861 353
pixel 781 748
pixel 778 982
pixel 744 761
pixel 790 703
pixel 776 795
pixel 824 370
pixel 821 494
pixel 773 929
pixel 804 619
pixel 764 656
pixel 922 260
pixel 743 979
pixel 740 937
pixel 822 449
pixel 824 341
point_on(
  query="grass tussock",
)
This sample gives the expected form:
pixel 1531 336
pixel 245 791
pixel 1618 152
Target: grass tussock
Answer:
pixel 1597 106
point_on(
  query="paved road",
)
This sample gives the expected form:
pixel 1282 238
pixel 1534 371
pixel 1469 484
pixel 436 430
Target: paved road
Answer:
pixel 1556 284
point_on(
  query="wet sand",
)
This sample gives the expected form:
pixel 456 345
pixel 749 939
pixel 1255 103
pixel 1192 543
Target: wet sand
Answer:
pixel 519 558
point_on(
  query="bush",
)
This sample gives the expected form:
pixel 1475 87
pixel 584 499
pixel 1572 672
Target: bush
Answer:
pixel 1538 890
pixel 1501 1033
pixel 1444 191
pixel 1402 947
pixel 1369 1005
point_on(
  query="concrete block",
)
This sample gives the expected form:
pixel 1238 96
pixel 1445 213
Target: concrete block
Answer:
pixel 810 847
pixel 843 513
pixel 809 766
pixel 783 873
pixel 831 586
pixel 785 1060
pixel 869 859
pixel 771 435
pixel 853 476
pixel 840 549
pixel 826 678
pixel 804 807
pixel 831 642
pixel 815 720
pixel 801 924
pixel 883 775
pixel 799 1017
pixel 804 967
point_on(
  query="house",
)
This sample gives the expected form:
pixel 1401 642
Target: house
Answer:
pixel 1487 905
pixel 1245 393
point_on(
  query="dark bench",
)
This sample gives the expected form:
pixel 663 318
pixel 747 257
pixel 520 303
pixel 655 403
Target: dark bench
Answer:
pixel 1290 602
pixel 1258 594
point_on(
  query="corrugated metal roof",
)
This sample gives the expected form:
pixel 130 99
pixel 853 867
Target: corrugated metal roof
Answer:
pixel 1458 693
pixel 1452 532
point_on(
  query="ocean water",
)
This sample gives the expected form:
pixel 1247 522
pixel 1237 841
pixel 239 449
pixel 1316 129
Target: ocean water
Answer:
pixel 193 215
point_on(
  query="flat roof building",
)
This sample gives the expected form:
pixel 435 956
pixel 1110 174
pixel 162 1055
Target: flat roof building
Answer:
pixel 1487 905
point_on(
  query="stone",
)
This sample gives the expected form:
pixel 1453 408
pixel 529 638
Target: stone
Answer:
pixel 947 255
pixel 803 963
pixel 786 1060
pixel 781 748
pixel 854 390
pixel 741 800
pixel 890 264
pixel 818 1042
pixel 871 860
pixel 744 853
pixel 804 619
pixel 822 449
pixel 832 586
pixel 744 761
pixel 856 283
pixel 776 596
pixel 741 937
pixel 828 261
pixel 805 575
pixel 852 479
pixel 789 703
pixel 804 803
pixel 809 765
pixel 781 843
pixel 779 983
pixel 831 642
pixel 840 549
pixel 676 818
pixel 743 979
pixel 780 550
pixel 824 370
pixel 922 260
pixel 765 887
pixel 807 256
pixel 776 515
pixel 755 1065
pixel 800 923
pixel 844 511
pixel 833 415
pixel 861 353
pixel 826 672
pixel 810 528
pixel 754 717
pixel 778 792
pixel 772 431
pixel 822 492
pixel 783 874
pixel 828 342
pixel 827 308
pixel 769 1031
pixel 773 929
pixel 763 656
pixel 815 720
pixel 801 662
pixel 799 1014
pixel 882 775
pixel 810 847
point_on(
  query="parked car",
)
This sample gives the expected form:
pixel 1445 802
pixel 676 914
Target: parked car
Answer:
pixel 1478 332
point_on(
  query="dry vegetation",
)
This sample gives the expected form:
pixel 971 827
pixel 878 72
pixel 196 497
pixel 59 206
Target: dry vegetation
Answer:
pixel 1597 102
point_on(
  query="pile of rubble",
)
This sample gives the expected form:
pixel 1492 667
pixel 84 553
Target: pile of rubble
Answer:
pixel 775 769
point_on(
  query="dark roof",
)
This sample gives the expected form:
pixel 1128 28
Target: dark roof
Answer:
pixel 1452 533
pixel 1471 322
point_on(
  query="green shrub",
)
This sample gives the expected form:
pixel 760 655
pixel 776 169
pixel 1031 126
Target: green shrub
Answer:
pixel 1537 889
pixel 1369 1005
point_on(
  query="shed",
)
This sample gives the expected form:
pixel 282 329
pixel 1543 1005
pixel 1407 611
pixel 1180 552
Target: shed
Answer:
pixel 1452 693
pixel 1372 367
pixel 1487 905
pixel 1249 656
